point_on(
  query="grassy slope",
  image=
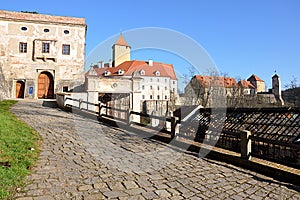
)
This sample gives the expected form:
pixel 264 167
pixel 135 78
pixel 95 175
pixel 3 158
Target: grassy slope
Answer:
pixel 16 155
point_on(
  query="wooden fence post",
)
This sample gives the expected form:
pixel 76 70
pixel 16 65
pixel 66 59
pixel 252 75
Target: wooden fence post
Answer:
pixel 246 145
pixel 174 127
pixel 129 116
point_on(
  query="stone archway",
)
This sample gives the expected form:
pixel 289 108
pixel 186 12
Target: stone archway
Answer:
pixel 45 86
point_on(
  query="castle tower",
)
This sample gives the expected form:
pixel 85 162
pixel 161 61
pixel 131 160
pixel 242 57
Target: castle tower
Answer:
pixel 276 89
pixel 121 51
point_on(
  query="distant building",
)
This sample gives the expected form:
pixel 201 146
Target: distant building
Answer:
pixel 258 83
pixel 40 54
pixel 214 91
pixel 276 89
pixel 205 90
pixel 152 86
pixel 246 87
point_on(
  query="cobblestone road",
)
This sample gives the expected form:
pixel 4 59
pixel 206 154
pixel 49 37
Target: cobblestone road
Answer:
pixel 82 159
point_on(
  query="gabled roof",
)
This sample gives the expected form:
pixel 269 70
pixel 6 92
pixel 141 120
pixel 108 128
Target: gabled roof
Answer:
pixel 121 41
pixel 216 81
pixel 129 67
pixel 254 77
pixel 246 84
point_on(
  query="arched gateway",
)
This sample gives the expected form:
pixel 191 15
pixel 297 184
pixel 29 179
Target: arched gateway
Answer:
pixel 45 86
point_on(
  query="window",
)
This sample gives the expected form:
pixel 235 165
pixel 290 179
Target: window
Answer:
pixel 66 49
pixel 142 72
pixel 165 80
pixel 150 79
pixel 143 96
pixel 150 87
pixel 150 96
pixel 173 82
pixel 158 80
pixel 45 47
pixel 23 47
pixel 158 87
pixel 143 87
pixel 166 88
pixel 106 73
pixel 120 72
pixel 173 89
pixel 46 30
pixel 166 97
pixel 158 97
pixel 157 73
pixel 66 31
pixel 65 89
pixel 23 28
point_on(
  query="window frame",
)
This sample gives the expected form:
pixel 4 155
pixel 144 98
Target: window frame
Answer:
pixel 46 49
pixel 23 47
pixel 66 51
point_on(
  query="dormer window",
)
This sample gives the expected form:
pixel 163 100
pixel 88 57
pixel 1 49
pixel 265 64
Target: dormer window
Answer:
pixel 142 72
pixel 106 73
pixel 157 73
pixel 120 72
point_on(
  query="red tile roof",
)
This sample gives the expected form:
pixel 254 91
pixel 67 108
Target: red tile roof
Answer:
pixel 246 84
pixel 129 67
pixel 216 81
pixel 121 41
pixel 254 77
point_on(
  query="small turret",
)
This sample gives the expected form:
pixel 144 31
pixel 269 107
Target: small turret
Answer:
pixel 121 51
pixel 276 89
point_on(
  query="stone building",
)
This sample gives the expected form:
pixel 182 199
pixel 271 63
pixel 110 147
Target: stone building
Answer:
pixel 276 89
pixel 246 87
pixel 41 55
pixel 151 87
pixel 210 90
pixel 217 91
pixel 258 83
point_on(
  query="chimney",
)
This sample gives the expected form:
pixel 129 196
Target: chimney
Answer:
pixel 150 62
pixel 100 64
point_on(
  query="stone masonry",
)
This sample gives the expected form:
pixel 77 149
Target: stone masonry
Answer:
pixel 32 44
pixel 84 159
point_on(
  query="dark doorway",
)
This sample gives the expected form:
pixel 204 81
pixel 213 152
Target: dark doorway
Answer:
pixel 20 88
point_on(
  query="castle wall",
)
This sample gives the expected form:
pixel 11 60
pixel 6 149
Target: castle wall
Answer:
pixel 26 63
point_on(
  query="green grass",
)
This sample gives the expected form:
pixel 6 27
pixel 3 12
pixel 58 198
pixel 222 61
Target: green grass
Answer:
pixel 16 155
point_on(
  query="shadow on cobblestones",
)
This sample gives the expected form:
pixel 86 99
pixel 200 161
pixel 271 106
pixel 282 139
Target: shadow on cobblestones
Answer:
pixel 84 159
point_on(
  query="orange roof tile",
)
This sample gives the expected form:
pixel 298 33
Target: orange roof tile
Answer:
pixel 121 41
pixel 129 67
pixel 254 77
pixel 246 84
pixel 216 81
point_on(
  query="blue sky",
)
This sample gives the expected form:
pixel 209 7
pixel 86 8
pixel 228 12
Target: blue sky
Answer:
pixel 242 37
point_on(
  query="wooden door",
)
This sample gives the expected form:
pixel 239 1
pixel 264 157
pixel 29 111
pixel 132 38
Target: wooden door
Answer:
pixel 45 85
pixel 20 86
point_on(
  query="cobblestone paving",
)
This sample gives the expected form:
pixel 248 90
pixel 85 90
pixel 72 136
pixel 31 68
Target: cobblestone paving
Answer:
pixel 82 159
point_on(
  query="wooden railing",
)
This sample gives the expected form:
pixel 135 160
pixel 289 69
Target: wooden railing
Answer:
pixel 273 133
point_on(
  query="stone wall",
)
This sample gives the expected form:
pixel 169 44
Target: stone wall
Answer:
pixel 67 69
pixel 3 86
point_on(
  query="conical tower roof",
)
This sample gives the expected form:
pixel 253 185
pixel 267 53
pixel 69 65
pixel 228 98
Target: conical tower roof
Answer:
pixel 121 41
